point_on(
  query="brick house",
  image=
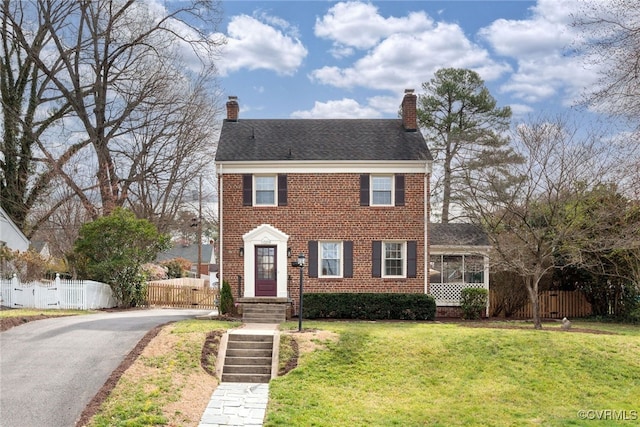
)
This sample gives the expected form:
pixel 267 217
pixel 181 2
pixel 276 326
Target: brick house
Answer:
pixel 350 194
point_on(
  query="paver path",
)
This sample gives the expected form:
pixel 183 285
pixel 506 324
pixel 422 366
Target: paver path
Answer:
pixel 52 368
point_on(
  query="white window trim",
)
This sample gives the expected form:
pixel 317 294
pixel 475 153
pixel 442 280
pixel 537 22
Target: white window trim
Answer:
pixel 255 190
pixel 383 261
pixel 393 189
pixel 340 254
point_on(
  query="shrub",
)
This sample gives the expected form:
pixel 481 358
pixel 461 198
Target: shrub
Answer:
pixel 112 249
pixel 226 299
pixel 369 306
pixel 473 301
pixel 176 267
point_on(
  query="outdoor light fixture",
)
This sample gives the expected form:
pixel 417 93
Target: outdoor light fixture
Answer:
pixel 301 262
pixel 288 252
pixel 241 252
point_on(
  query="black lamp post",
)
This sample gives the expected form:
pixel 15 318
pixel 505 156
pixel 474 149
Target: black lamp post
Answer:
pixel 300 263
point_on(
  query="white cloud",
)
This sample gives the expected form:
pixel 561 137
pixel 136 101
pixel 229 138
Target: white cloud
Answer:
pixel 253 44
pixel 359 25
pixel 345 108
pixel 407 59
pixel 541 47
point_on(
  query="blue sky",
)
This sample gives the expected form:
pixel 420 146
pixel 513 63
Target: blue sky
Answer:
pixel 321 59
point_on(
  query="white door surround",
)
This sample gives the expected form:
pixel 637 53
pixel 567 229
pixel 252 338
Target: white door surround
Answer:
pixel 265 235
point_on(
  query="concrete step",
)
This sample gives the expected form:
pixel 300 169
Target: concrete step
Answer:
pixel 251 338
pixel 252 318
pixel 246 378
pixel 264 308
pixel 247 369
pixel 249 352
pixel 255 345
pixel 240 360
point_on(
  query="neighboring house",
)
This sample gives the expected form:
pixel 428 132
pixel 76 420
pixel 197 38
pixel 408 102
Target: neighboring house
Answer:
pixel 10 235
pixel 349 194
pixel 208 266
pixel 459 258
pixel 41 248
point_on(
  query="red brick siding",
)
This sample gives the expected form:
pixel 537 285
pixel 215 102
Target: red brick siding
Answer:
pixel 327 207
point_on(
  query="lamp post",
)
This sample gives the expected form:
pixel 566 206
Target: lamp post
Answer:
pixel 300 263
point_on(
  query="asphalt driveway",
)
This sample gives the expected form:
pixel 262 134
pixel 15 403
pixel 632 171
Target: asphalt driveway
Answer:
pixel 50 369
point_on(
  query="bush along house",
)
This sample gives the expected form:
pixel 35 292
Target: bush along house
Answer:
pixel 352 195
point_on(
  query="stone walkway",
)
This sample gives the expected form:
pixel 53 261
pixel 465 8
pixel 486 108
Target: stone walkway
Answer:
pixel 239 404
pixel 236 404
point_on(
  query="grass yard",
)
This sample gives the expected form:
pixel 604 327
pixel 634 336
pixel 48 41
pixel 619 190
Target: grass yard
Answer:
pixel 166 385
pixel 440 374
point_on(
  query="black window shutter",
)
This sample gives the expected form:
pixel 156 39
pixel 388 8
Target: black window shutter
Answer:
pixel 313 258
pixel 247 190
pixel 282 190
pixel 364 190
pixel 399 190
pixel 347 252
pixel 412 255
pixel 376 258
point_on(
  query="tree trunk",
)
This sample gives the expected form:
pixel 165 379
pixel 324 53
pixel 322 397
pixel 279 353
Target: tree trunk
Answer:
pixel 532 288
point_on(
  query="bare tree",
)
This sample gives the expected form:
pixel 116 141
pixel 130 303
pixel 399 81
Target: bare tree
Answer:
pixel 25 177
pixel 528 219
pixel 138 87
pixel 611 39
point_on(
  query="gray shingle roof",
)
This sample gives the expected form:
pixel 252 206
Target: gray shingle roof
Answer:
pixel 457 234
pixel 319 139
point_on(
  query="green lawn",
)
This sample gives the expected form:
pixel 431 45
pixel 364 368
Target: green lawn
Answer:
pixel 433 374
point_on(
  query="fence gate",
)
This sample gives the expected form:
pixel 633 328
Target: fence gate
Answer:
pixel 182 296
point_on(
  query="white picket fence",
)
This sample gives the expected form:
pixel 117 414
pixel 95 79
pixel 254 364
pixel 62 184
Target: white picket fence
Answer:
pixel 58 293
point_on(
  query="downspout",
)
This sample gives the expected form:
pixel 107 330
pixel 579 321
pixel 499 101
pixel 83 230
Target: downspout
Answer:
pixel 220 228
pixel 426 232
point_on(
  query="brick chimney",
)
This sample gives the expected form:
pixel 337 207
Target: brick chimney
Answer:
pixel 233 108
pixel 409 112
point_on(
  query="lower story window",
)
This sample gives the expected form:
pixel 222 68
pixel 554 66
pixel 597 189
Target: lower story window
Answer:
pixel 394 259
pixel 330 259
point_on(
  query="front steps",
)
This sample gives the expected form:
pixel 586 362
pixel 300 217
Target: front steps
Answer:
pixel 264 313
pixel 248 358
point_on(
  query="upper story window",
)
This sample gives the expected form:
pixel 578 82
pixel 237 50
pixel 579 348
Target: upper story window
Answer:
pixel 264 190
pixel 381 190
pixel 330 259
pixel 265 194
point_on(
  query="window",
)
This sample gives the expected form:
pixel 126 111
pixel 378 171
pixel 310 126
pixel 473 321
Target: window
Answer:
pixel 330 259
pixel 456 269
pixel 393 259
pixel 381 190
pixel 264 190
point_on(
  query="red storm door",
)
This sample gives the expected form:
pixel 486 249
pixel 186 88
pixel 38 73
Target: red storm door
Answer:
pixel 266 285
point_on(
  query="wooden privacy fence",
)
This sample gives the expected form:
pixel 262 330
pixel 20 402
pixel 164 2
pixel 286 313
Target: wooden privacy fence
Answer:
pixel 58 293
pixel 553 305
pixel 179 296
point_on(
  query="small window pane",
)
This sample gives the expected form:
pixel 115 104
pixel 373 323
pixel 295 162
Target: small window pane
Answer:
pixel 265 190
pixel 330 258
pixel 474 269
pixel 381 190
pixel 435 269
pixel 393 260
pixel 452 269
